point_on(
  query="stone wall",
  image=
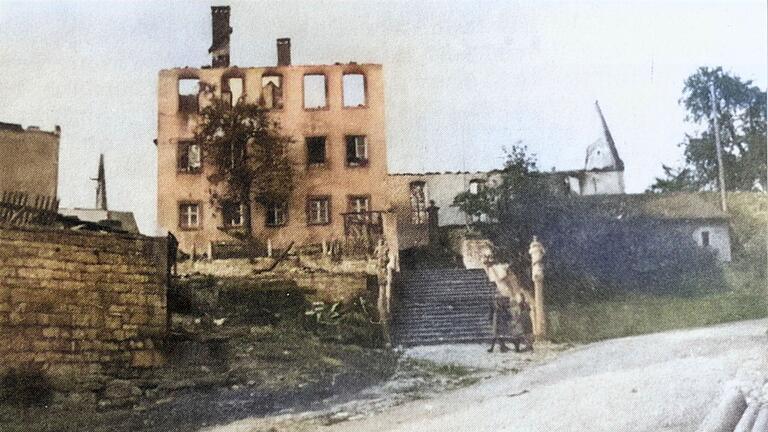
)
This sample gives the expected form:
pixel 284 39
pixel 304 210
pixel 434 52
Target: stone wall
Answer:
pixel 325 280
pixel 81 300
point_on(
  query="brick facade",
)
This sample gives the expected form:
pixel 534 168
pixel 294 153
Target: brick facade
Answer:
pixel 83 299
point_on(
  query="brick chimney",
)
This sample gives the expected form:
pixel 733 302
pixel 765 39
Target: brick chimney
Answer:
pixel 221 30
pixel 284 52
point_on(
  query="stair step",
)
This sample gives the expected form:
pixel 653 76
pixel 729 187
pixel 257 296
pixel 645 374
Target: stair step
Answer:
pixel 435 306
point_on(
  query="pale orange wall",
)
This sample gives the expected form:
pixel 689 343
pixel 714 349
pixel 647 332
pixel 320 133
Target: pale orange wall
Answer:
pixel 29 161
pixel 336 179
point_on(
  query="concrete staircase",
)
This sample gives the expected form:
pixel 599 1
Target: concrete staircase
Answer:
pixel 441 305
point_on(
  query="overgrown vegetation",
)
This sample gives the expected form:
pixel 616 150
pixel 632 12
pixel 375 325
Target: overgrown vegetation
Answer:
pixel 351 323
pixel 738 293
pixel 629 315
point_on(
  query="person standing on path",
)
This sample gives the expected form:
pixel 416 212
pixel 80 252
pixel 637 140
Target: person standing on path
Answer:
pixel 501 319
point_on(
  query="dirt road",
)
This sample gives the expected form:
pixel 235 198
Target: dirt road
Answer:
pixel 660 382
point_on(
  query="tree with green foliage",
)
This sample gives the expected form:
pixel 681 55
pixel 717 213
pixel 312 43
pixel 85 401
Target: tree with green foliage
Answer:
pixel 516 182
pixel 740 115
pixel 248 158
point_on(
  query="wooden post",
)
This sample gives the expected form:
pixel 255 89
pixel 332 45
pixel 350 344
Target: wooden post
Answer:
pixel 537 252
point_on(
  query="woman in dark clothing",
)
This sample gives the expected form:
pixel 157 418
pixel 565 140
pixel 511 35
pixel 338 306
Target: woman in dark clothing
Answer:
pixel 501 319
pixel 526 325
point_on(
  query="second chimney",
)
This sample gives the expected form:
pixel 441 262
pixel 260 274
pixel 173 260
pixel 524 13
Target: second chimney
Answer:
pixel 221 30
pixel 284 52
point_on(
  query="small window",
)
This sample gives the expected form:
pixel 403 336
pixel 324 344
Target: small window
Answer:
pixel 188 157
pixel 272 91
pixel 418 203
pixel 314 91
pixel 319 210
pixel 705 238
pixel 277 214
pixel 232 214
pixel 232 90
pixel 357 150
pixel 236 155
pixel 188 91
pixel 189 215
pixel 315 150
pixel 476 186
pixel 358 204
pixel 354 90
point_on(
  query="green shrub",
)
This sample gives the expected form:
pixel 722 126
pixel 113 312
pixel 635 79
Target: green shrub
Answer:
pixel 352 323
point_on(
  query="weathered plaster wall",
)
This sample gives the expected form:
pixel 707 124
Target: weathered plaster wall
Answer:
pixel 719 238
pixel 442 188
pixel 334 179
pixel 70 298
pixel 29 161
pixel 602 183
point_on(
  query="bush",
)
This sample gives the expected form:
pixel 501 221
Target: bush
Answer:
pixel 25 388
pixel 354 323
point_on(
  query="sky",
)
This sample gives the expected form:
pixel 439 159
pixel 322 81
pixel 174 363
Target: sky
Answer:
pixel 463 79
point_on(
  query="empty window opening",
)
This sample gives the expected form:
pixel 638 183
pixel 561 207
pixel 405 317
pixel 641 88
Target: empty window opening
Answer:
pixel 319 210
pixel 232 214
pixel 315 150
pixel 277 214
pixel 705 238
pixel 354 90
pixel 357 150
pixel 418 203
pixel 358 204
pixel 189 215
pixel 314 91
pixel 476 186
pixel 236 155
pixel 189 88
pixel 231 90
pixel 272 91
pixel 189 157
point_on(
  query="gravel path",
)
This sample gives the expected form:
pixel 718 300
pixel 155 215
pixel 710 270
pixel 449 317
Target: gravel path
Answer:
pixel 660 382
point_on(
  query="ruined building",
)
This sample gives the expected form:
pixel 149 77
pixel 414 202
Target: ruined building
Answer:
pixel 335 117
pixel 29 160
pixel 603 172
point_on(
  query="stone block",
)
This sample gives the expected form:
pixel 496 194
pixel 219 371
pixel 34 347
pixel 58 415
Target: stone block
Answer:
pixel 121 390
pixel 146 358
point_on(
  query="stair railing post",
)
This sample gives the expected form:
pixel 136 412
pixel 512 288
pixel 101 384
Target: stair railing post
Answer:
pixel 537 252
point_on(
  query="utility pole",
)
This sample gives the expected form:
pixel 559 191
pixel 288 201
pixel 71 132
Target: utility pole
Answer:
pixel 720 168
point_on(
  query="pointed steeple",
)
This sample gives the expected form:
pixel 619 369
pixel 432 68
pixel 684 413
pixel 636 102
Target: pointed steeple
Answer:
pixel 101 186
pixel 618 163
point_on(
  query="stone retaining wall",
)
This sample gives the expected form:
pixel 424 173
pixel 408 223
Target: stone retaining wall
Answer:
pixel 81 300
pixel 328 281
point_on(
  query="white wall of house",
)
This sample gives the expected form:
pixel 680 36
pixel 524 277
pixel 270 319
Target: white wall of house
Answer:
pixel 442 188
pixel 602 183
pixel 719 239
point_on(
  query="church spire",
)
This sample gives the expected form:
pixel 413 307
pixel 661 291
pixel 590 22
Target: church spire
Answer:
pixel 618 163
pixel 101 186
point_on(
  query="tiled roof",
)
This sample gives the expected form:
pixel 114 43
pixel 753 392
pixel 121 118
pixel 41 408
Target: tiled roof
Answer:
pixel 671 206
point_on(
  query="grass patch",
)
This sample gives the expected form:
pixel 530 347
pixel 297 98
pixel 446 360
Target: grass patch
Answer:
pixel 647 313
